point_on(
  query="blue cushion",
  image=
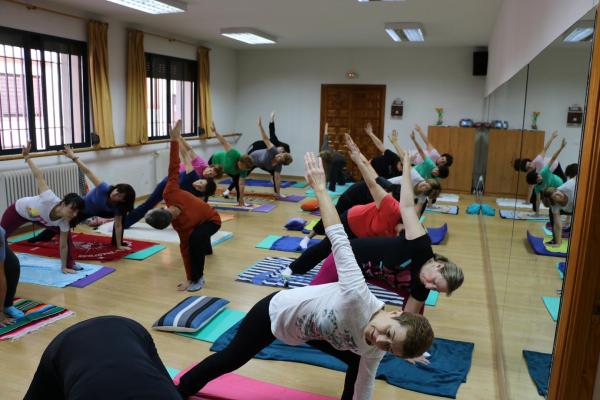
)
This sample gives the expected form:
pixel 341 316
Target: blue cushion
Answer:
pixel 295 224
pixel 191 314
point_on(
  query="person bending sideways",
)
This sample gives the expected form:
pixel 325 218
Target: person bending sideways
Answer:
pixel 416 157
pixel 48 210
pixel 106 357
pixel 388 164
pixel 545 178
pixel 560 200
pixel 527 165
pixel 104 200
pixel 343 319
pixel 10 269
pixel 193 219
pixel 234 164
pixel 379 218
pixel 428 168
pixel 269 159
pixel 336 162
pixel 386 262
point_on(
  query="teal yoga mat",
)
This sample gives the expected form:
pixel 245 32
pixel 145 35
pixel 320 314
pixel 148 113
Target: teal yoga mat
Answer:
pixel 143 254
pixel 267 242
pixel 218 325
pixel 552 305
pixel 19 238
pixel 300 185
pixel 432 298
pixel 172 371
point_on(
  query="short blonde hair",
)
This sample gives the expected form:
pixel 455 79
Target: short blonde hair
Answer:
pixel 451 272
pixel 287 158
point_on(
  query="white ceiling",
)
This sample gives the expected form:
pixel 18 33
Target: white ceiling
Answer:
pixel 312 23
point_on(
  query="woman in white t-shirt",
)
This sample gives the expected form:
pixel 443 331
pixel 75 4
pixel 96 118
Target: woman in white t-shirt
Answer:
pixel 343 318
pixel 45 209
pixel 560 200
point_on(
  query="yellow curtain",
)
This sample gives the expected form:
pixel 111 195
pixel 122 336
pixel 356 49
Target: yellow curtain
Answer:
pixel 204 103
pixel 136 126
pixel 99 85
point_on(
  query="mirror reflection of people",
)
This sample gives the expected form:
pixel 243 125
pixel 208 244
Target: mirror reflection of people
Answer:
pixel 545 178
pixel 560 200
pixel 343 319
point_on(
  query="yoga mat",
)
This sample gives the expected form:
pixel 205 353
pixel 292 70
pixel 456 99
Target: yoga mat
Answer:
pixel 316 213
pixel 517 203
pixel 267 242
pixel 217 326
pixel 263 208
pixel 522 215
pixel 450 364
pixel 85 247
pixel 294 198
pixel 24 236
pixel 259 182
pixel 339 190
pixel 300 184
pixel 141 230
pixel 538 365
pixel 47 271
pixel 442 209
pixel 552 305
pixel 284 243
pixel 237 387
pixel 432 298
pixel 437 235
pixel 172 371
pixel 311 224
pixel 266 272
pixel 143 254
pixel 538 247
pixel 561 267
pixel 88 280
pixel 252 196
pixel 564 246
pixel 448 198
pixel 548 232
pixel 37 315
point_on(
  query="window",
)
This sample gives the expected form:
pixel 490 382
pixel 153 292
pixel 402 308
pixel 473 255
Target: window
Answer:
pixel 43 92
pixel 171 95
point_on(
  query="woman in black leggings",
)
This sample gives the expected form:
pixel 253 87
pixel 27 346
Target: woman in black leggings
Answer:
pixel 10 270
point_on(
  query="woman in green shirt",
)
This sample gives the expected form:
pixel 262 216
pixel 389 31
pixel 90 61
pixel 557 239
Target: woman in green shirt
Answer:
pixel 545 178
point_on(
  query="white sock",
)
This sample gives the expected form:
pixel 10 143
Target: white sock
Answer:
pixel 226 192
pixel 304 242
pixel 286 272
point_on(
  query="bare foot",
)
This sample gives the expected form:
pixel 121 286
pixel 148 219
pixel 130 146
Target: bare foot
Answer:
pixel 68 271
pixel 183 286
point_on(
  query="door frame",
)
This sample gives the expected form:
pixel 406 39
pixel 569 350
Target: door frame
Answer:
pixel 577 343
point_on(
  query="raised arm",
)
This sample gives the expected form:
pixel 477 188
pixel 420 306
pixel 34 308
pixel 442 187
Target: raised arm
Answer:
pixel 417 145
pixel 37 173
pixel 374 139
pixel 184 147
pixel 563 143
pixel 263 134
pixel 412 227
pixel 366 170
pixel 548 143
pixel 394 140
pixel 69 153
pixel 173 177
pixel 185 157
pixel 220 138
pixel 424 137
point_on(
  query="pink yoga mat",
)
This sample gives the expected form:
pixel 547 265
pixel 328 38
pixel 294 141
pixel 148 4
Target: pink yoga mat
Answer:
pixel 237 387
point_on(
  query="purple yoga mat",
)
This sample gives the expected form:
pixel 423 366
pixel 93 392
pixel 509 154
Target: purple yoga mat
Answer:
pixel 316 212
pixel 293 198
pixel 88 280
pixel 265 208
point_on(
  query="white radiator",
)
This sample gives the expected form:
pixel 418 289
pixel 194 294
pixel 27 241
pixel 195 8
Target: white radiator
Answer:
pixel 161 165
pixel 21 183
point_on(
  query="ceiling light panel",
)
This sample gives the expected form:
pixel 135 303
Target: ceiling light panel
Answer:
pixel 248 35
pixel 579 34
pixel 405 31
pixel 154 6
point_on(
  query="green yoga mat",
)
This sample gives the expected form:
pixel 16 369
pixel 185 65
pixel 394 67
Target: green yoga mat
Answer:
pixel 311 224
pixel 300 185
pixel 267 242
pixel 552 304
pixel 172 371
pixel 217 326
pixel 143 254
pixel 432 298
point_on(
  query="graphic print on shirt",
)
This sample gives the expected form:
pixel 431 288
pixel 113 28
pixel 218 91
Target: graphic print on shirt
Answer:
pixel 324 326
pixel 34 215
pixel 397 278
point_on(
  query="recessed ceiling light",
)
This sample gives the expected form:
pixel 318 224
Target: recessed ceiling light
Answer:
pixel 248 35
pixel 154 6
pixel 410 31
pixel 580 34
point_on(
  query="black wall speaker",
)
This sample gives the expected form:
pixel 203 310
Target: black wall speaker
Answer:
pixel 480 61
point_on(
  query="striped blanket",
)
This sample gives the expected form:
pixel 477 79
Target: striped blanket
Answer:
pixel 266 272
pixel 37 315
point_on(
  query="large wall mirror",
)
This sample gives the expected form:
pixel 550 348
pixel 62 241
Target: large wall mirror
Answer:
pixel 533 150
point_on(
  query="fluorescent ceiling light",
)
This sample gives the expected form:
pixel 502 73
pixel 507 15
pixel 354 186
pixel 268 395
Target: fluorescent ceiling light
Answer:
pixel 154 6
pixel 371 1
pixel 580 34
pixel 248 35
pixel 410 31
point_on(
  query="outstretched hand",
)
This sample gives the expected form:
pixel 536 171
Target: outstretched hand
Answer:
pixel 272 116
pixel 26 149
pixel 393 137
pixel 175 132
pixel 213 128
pixel 260 121
pixel 419 129
pixel 369 129
pixel 314 172
pixel 69 153
pixel 352 148
pixel 563 143
pixel 422 359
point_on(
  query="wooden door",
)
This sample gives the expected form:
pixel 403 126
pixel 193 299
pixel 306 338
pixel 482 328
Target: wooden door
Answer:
pixel 347 109
pixel 504 146
pixel 460 142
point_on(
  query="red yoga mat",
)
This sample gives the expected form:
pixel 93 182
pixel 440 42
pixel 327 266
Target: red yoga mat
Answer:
pixel 237 387
pixel 86 247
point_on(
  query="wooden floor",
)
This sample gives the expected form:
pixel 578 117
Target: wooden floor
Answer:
pixel 143 290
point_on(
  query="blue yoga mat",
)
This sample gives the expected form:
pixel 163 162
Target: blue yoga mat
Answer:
pixel 437 235
pixel 260 182
pixel 552 305
pixel 538 365
pixel 537 244
pixel 291 244
pixel 450 364
pixel 339 190
pixel 47 271
pixel 561 267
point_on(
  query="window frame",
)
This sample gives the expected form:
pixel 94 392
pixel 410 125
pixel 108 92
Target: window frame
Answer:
pixel 41 42
pixel 168 60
